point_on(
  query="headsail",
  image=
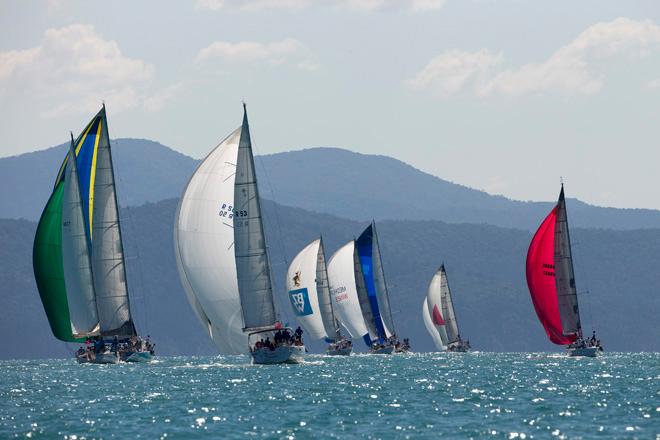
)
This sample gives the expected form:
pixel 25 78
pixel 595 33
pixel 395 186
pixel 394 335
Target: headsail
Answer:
pixel 344 291
pixel 309 293
pixel 252 266
pixel 548 253
pixel 76 256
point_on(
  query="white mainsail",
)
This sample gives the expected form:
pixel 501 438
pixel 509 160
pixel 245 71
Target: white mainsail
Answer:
pixel 434 305
pixel 252 266
pixel 76 258
pixel 344 290
pixel 107 250
pixel 220 245
pixel 451 325
pixel 564 276
pixel 430 327
pixel 308 289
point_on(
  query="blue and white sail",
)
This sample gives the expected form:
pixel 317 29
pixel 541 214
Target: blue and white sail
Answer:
pixel 374 280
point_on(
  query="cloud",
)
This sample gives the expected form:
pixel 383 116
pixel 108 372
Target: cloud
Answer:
pixel 448 73
pixel 287 51
pixel 571 70
pixel 76 68
pixel 295 5
pixel 160 98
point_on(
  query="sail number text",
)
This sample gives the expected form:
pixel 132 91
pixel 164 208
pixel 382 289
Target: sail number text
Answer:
pixel 227 211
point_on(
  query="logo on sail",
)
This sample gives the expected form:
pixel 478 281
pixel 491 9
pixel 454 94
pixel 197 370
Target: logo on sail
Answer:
pixel 296 279
pixel 300 302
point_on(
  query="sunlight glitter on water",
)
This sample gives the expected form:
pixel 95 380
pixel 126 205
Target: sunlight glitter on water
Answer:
pixel 415 396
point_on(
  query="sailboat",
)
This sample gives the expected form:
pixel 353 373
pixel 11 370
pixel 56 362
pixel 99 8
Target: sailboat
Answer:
pixel 222 256
pixel 78 254
pixel 440 317
pixel 309 293
pixel 357 282
pixel 551 282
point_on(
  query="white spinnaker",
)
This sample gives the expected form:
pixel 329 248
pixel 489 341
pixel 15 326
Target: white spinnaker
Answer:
pixel 76 259
pixel 204 239
pixel 430 327
pixel 302 274
pixel 434 303
pixel 108 265
pixel 343 290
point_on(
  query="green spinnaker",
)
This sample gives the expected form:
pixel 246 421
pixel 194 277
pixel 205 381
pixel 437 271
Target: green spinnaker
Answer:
pixel 49 268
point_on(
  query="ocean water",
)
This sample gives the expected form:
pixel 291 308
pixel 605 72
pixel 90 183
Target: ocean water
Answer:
pixel 430 395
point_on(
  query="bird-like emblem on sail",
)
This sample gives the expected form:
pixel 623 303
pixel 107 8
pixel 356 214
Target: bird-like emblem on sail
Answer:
pixel 296 279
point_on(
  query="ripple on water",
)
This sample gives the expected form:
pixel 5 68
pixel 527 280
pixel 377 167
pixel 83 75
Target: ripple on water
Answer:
pixel 416 396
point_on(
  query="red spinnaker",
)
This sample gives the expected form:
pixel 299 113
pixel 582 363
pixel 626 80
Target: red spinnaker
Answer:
pixel 437 317
pixel 541 280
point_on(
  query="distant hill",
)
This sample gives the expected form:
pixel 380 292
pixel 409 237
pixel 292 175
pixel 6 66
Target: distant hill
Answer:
pixel 146 171
pixel 362 187
pixel 327 180
pixel 485 266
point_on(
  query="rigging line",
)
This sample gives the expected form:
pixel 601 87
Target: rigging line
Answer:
pixel 272 194
pixel 138 264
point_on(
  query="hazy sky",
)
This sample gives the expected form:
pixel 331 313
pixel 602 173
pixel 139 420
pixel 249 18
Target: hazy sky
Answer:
pixel 505 96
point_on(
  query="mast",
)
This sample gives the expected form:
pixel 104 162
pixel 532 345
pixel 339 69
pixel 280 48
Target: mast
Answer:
pixel 335 323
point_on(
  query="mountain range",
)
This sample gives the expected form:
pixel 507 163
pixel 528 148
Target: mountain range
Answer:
pixel 327 180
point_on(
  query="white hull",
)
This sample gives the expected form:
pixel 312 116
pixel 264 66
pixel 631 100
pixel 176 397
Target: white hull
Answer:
pixel 140 356
pixel 383 350
pixel 339 351
pixel 105 358
pixel 283 354
pixel 585 351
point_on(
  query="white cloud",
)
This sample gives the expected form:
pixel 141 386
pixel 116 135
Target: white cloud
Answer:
pixel 294 5
pixel 76 68
pixel 287 51
pixel 654 84
pixel 572 69
pixel 448 73
pixel 160 98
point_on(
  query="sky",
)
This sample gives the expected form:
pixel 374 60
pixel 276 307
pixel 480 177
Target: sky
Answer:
pixel 506 96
